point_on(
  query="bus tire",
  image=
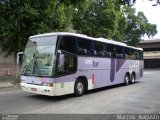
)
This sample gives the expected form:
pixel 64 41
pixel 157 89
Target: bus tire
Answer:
pixel 79 88
pixel 132 78
pixel 126 79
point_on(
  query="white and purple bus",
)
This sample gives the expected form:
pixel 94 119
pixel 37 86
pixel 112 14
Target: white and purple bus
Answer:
pixel 61 63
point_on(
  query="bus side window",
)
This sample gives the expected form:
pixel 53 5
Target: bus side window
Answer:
pixel 99 49
pixel 67 63
pixel 68 44
pixel 136 55
pixel 128 53
pixel 141 55
pixel 120 52
pixel 111 49
pixel 85 47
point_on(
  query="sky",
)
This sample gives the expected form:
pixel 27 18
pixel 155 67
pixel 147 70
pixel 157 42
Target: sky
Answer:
pixel 152 14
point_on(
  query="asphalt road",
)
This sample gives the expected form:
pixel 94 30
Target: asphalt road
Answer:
pixel 141 97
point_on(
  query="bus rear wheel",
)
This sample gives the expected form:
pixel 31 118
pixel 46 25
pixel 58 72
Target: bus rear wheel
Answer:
pixel 132 78
pixel 126 79
pixel 79 88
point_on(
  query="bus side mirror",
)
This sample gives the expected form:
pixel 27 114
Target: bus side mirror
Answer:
pixel 60 57
pixel 19 57
pixel 59 52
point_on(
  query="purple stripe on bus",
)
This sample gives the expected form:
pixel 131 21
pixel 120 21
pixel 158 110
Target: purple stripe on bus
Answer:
pixel 119 64
pixel 112 69
pixel 115 64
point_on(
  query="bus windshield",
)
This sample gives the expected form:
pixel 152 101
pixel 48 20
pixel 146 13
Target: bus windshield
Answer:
pixel 39 56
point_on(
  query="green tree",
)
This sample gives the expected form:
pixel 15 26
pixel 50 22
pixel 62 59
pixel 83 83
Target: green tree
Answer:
pixel 131 2
pixel 98 19
pixel 21 19
pixel 137 26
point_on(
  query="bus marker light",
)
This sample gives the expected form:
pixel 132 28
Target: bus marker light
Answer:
pixel 93 78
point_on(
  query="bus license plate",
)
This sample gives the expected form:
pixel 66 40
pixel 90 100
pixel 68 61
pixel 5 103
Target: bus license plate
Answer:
pixel 33 89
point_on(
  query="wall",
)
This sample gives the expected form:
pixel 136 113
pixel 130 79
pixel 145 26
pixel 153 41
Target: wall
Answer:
pixel 151 63
pixel 7 67
pixel 151 53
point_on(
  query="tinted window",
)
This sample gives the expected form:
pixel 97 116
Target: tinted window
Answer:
pixel 111 50
pixel 67 63
pixel 129 53
pixel 99 49
pixel 85 47
pixel 141 55
pixel 68 43
pixel 136 54
pixel 120 52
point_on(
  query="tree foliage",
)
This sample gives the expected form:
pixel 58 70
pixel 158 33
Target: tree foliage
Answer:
pixel 132 2
pixel 104 19
pixel 97 18
pixel 137 26
pixel 21 19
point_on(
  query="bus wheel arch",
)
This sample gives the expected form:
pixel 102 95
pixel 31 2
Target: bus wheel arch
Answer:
pixel 81 81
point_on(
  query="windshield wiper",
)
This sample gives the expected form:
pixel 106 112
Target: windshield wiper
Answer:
pixel 32 61
pixel 27 66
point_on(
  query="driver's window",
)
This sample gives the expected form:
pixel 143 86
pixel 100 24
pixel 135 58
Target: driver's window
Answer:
pixel 67 63
pixel 67 59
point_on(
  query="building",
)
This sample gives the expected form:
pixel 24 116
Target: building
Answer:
pixel 151 53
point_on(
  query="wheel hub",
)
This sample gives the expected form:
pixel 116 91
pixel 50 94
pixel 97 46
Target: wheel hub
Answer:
pixel 79 87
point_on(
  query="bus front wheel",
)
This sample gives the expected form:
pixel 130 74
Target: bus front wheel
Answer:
pixel 79 87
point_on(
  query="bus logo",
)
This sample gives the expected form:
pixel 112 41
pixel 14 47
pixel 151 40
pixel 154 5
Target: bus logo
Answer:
pixel 91 62
pixel 95 64
pixel 88 61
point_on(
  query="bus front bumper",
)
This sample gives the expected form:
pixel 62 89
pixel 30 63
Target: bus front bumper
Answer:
pixel 44 90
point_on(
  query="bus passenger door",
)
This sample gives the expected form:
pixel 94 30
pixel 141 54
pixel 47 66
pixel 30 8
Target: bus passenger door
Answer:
pixel 66 63
pixel 65 72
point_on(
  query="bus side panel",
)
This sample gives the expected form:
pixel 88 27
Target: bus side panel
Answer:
pixel 65 84
pixel 103 70
pixel 139 69
pixel 107 71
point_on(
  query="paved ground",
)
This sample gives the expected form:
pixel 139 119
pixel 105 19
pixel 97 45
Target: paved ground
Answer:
pixel 141 97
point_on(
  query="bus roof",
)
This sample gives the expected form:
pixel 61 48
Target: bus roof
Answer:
pixel 87 37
